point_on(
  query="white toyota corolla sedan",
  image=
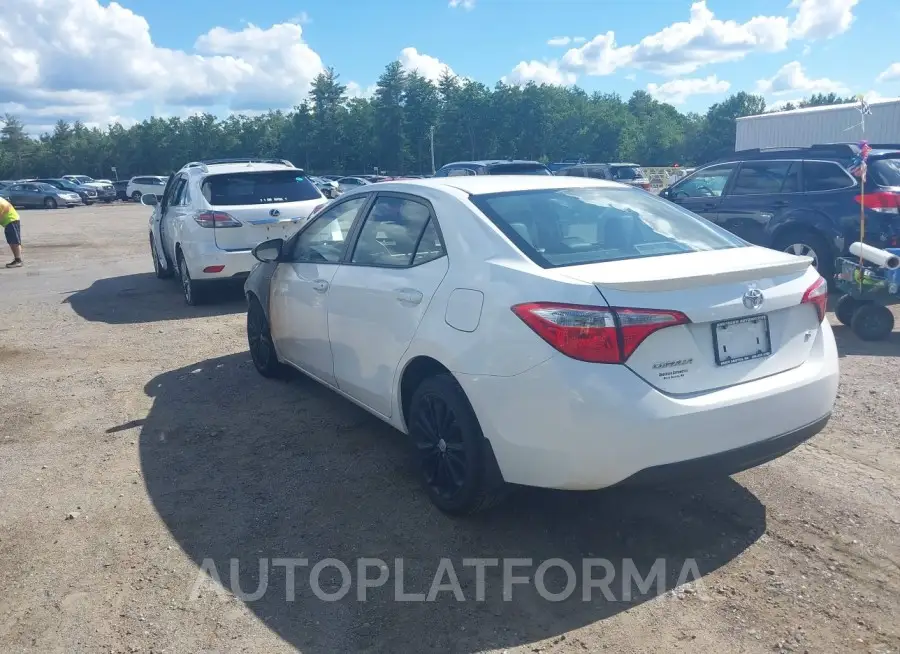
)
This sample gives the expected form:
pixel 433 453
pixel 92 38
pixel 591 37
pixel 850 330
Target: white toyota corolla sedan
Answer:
pixel 559 332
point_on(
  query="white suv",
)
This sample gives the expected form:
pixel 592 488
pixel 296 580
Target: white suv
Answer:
pixel 213 213
pixel 140 186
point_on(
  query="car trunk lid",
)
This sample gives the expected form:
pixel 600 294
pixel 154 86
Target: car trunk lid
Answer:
pixel 745 306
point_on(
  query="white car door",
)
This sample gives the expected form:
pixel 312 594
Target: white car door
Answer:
pixel 380 294
pixel 300 289
pixel 175 206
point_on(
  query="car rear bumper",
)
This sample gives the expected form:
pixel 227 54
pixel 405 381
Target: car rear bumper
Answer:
pixel 236 263
pixel 574 425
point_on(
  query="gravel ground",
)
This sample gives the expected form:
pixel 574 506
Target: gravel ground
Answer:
pixel 138 446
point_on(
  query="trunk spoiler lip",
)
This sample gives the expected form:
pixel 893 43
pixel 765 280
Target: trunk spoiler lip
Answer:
pixel 636 275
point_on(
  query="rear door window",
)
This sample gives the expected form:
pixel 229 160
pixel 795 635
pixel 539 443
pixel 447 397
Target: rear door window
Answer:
pixel 825 176
pixel 761 178
pixel 391 233
pixel 267 187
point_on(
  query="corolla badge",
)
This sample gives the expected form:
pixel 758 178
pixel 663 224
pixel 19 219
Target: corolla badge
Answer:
pixel 753 298
pixel 274 213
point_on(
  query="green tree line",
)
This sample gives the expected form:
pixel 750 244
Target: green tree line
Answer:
pixel 333 133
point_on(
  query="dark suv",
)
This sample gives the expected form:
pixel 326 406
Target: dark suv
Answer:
pixel 800 200
pixel 493 167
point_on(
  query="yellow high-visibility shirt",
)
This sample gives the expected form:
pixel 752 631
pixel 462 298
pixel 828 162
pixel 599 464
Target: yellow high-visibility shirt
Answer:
pixel 7 213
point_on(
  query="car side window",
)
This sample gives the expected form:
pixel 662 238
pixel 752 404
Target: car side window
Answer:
pixel 596 172
pixel 761 178
pixel 391 233
pixel 325 238
pixel 430 245
pixel 178 192
pixel 825 176
pixel 707 183
pixel 461 172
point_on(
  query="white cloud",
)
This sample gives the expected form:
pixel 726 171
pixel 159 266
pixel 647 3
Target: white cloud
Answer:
pixel 56 48
pixel 429 67
pixel 355 90
pixel 677 91
pixel 539 73
pixel 875 96
pixel 890 74
pixel 791 78
pixel 631 77
pixel 686 46
pixel 465 4
pixel 557 41
pixel 822 19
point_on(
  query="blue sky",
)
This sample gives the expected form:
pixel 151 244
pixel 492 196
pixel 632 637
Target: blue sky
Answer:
pixel 129 59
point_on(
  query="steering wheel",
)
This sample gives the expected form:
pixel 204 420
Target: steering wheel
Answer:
pixel 705 190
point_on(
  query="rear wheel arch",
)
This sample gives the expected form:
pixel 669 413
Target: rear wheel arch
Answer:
pixel 417 370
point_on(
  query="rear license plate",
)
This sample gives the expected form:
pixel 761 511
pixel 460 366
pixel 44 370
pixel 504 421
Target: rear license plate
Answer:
pixel 741 339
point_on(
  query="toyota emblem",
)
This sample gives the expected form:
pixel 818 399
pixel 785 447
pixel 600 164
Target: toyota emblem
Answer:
pixel 753 298
pixel 274 213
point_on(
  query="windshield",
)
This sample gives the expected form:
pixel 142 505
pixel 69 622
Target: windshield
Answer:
pixel 258 188
pixel 886 172
pixel 573 226
pixel 627 172
pixel 519 169
pixel 64 183
pixel 82 179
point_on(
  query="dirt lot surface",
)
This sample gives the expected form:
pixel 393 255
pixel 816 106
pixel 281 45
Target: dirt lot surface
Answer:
pixel 137 443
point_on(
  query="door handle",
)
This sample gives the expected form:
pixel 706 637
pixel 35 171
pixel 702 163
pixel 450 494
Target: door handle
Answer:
pixel 320 286
pixel 409 296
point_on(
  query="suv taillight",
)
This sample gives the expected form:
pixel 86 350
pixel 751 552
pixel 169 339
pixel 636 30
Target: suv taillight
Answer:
pixel 216 219
pixel 881 201
pixel 595 334
pixel 817 295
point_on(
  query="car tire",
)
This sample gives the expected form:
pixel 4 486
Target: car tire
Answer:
pixel 50 203
pixel 192 291
pixel 454 459
pixel 809 243
pixel 161 273
pixel 872 322
pixel 136 196
pixel 88 203
pixel 844 309
pixel 259 340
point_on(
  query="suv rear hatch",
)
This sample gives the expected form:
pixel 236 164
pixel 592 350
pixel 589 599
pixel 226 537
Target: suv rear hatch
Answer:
pixel 253 206
pixel 519 169
pixel 630 174
pixel 720 335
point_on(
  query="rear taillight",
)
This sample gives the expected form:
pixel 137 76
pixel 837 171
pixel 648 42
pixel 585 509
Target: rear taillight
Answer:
pixel 595 334
pixel 817 295
pixel 216 219
pixel 881 201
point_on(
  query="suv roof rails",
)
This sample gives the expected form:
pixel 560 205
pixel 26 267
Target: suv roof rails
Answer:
pixel 205 163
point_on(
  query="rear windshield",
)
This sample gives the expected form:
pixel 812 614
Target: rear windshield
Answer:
pixel 573 226
pixel 627 172
pixel 519 169
pixel 886 172
pixel 258 188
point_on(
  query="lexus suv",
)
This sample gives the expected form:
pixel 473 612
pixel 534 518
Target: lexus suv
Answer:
pixel 801 200
pixel 211 214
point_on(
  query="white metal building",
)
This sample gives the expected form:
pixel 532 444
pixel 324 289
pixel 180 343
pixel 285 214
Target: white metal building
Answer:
pixel 829 124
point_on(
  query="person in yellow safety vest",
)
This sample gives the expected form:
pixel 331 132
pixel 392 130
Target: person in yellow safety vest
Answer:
pixel 9 220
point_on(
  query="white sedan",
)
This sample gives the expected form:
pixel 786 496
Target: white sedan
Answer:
pixel 559 332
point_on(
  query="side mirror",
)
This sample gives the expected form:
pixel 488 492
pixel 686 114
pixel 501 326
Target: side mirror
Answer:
pixel 269 251
pixel 665 193
pixel 149 200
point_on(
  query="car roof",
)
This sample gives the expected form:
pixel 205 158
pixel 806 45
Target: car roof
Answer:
pixel 494 162
pixel 485 184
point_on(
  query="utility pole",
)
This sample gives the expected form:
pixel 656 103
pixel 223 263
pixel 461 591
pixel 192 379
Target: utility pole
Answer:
pixel 431 133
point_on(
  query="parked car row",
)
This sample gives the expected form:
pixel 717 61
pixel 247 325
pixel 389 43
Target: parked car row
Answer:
pixel 700 353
